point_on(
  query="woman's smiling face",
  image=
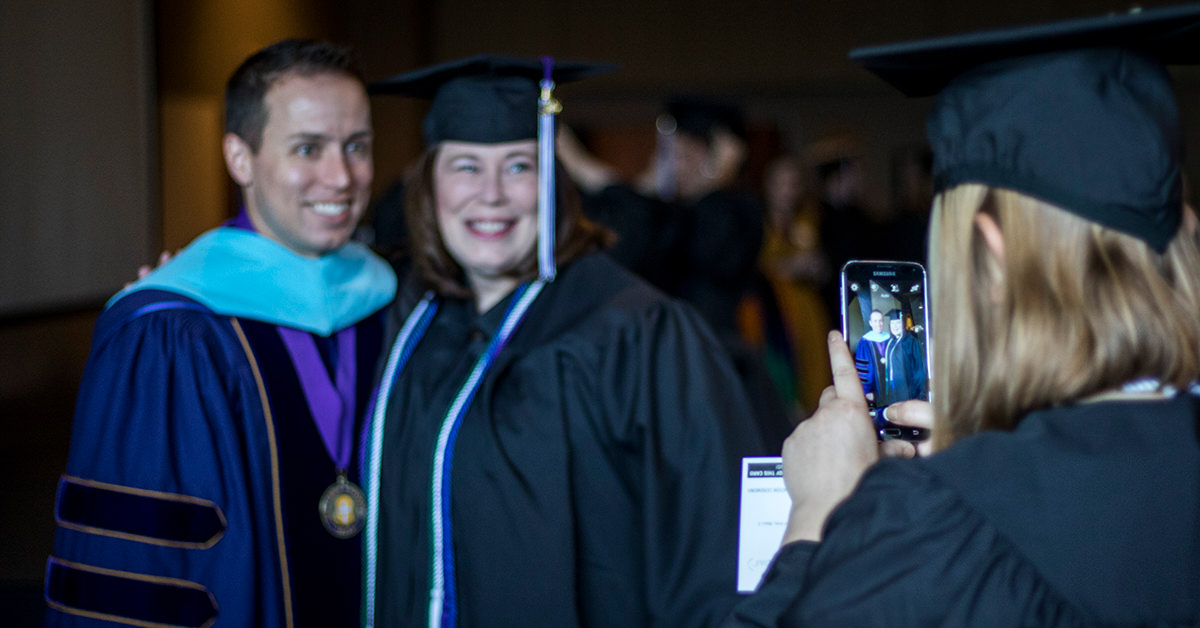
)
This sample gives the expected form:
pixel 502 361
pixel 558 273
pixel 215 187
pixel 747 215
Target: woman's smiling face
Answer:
pixel 487 196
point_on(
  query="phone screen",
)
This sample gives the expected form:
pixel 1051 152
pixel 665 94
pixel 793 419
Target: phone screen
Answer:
pixel 885 322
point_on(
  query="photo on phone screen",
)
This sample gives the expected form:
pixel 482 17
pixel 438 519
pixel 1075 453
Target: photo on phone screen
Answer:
pixel 885 322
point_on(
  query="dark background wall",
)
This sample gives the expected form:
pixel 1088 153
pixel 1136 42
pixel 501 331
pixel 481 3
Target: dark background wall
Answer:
pixel 110 119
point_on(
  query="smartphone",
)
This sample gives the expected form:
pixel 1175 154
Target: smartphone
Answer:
pixel 885 321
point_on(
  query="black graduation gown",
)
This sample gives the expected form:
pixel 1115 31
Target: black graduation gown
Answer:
pixel 649 232
pixel 904 370
pixel 1085 515
pixel 705 253
pixel 723 233
pixel 595 477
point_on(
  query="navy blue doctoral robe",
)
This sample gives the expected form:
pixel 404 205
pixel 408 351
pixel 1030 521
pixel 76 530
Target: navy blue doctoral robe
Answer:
pixel 194 476
pixel 192 486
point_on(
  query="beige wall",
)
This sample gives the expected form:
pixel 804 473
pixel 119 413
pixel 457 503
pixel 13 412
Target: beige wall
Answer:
pixel 76 165
pixel 195 187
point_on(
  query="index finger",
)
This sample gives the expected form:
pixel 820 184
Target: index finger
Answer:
pixel 913 413
pixel 845 376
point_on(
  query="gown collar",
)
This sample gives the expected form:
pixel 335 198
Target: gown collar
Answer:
pixel 487 323
pixel 874 336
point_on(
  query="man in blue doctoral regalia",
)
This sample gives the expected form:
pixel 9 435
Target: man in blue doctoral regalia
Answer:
pixel 868 356
pixel 212 464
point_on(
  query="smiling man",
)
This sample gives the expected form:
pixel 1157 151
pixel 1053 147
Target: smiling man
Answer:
pixel 214 454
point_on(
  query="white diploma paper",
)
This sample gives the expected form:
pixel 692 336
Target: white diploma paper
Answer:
pixel 764 512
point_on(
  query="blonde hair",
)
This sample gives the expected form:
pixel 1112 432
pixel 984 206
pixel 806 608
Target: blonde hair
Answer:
pixel 1073 309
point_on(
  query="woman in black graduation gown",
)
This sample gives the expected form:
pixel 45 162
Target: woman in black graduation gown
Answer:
pixel 1066 284
pixel 555 442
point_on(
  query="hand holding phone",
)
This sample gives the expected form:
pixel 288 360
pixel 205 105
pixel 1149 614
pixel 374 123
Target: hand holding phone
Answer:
pixel 886 325
pixel 827 453
pixel 914 415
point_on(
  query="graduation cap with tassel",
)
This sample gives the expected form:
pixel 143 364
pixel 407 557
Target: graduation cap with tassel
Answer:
pixel 491 99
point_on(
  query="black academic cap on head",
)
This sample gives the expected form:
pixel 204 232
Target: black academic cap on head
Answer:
pixel 895 315
pixel 485 98
pixel 1078 113
pixel 699 117
pixel 490 99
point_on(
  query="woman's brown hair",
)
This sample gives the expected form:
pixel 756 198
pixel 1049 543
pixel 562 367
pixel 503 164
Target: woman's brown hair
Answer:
pixel 575 234
pixel 1073 309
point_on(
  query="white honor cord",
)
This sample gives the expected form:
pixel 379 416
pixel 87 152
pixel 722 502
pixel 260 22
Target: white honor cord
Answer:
pixel 435 607
pixel 375 455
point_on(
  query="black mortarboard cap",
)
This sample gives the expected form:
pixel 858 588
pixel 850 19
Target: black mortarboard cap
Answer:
pixel 485 98
pixel 1078 113
pixel 699 117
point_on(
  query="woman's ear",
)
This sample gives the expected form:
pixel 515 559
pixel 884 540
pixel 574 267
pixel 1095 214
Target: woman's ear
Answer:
pixel 992 236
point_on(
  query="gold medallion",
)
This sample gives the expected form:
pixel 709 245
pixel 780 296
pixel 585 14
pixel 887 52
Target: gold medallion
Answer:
pixel 343 508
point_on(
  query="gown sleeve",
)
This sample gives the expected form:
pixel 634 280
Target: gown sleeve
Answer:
pixel 784 578
pixel 904 550
pixel 163 514
pixel 689 418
